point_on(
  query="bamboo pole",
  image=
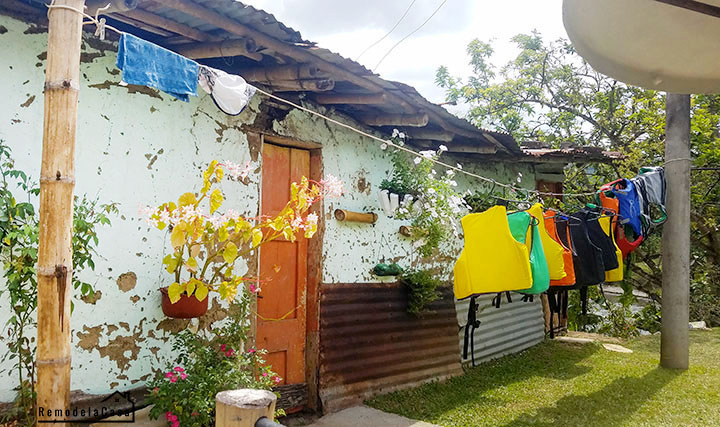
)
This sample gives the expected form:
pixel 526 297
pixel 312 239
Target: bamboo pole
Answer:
pixel 417 120
pixel 350 216
pixel 310 85
pixel 243 408
pixel 349 98
pixel 57 180
pixel 281 72
pixel 237 47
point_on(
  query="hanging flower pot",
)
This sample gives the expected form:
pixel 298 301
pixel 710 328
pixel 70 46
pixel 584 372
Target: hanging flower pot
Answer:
pixel 391 202
pixel 187 307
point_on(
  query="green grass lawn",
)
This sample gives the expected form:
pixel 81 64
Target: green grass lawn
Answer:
pixel 572 385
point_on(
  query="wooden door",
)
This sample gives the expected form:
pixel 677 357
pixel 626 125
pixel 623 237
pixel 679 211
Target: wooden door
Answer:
pixel 283 269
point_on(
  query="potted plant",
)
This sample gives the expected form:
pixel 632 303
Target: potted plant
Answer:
pixel 435 205
pixel 207 244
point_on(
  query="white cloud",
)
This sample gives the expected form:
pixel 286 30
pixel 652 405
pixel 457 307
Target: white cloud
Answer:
pixel 349 26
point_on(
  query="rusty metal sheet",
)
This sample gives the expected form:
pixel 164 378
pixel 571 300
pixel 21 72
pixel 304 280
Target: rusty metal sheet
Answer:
pixel 370 345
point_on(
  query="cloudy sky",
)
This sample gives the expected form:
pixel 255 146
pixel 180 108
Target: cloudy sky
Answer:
pixel 350 26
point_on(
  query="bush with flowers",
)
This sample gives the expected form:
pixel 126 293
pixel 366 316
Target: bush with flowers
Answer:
pixel 205 364
pixel 437 205
pixel 207 244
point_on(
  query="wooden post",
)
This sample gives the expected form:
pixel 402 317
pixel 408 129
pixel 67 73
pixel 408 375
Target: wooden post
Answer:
pixel 242 408
pixel 57 180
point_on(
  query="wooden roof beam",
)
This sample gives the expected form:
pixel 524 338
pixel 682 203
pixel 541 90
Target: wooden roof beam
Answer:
pixel 435 135
pixel 167 24
pixel 301 55
pixel 308 85
pixel 464 148
pixel 416 120
pixel 352 99
pixel 221 49
pixel 282 72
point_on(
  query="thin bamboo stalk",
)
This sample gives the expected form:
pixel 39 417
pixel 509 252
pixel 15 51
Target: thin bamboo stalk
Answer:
pixel 57 181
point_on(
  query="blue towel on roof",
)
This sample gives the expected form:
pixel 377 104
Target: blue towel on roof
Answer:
pixel 145 63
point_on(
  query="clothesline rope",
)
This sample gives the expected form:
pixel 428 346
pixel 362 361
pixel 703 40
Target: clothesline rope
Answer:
pixel 99 23
pixel 458 169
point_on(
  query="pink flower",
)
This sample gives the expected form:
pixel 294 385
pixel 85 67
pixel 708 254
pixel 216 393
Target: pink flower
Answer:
pixel 229 353
pixel 332 186
pixel 277 380
pixel 173 379
pixel 169 375
pixel 236 170
pixel 168 414
pixel 183 376
pixel 264 374
pixel 251 351
pixel 179 369
pixel 252 288
pixel 222 347
pixel 175 424
pixel 173 418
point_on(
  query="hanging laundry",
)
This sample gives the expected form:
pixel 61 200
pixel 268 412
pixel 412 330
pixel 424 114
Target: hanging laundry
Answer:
pixel 523 227
pixel 623 239
pixel 614 275
pixel 587 258
pixel 629 204
pixel 492 260
pixel 147 64
pixel 552 223
pixel 650 185
pixel 230 93
pixel 599 238
pixel 552 249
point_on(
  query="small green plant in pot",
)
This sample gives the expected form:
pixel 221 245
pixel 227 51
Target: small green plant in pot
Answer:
pixel 422 287
pixel 436 206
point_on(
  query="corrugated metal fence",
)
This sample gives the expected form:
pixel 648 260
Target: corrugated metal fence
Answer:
pixel 370 345
pixel 509 329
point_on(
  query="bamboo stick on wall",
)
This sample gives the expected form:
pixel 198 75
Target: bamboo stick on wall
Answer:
pixel 57 180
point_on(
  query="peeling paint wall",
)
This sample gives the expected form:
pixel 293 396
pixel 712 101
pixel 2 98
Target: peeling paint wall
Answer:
pixel 138 146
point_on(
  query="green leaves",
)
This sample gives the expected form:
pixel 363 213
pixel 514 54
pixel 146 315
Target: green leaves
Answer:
pixel 187 199
pixel 201 291
pixel 230 252
pixel 174 292
pixel 216 200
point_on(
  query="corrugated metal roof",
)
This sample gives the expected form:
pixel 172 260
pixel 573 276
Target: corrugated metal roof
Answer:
pixel 245 14
pixel 509 329
pixel 369 344
pixel 569 154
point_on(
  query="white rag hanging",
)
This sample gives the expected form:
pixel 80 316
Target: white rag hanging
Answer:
pixel 230 92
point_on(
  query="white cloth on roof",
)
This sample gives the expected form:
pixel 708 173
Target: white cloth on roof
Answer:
pixel 230 92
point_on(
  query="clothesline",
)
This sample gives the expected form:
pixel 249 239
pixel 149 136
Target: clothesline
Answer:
pixel 100 23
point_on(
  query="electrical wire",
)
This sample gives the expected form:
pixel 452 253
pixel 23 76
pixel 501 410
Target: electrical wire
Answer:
pixel 388 33
pixel 407 36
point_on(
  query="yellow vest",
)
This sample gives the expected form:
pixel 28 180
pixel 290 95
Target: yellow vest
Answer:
pixel 615 275
pixel 492 260
pixel 553 250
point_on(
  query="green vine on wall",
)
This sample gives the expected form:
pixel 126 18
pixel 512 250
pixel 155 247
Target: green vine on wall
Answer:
pixel 437 206
pixel 18 257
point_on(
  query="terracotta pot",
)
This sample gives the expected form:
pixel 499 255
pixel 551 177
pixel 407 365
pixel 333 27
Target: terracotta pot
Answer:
pixel 187 307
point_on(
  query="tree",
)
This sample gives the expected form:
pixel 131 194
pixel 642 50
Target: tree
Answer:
pixel 548 93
